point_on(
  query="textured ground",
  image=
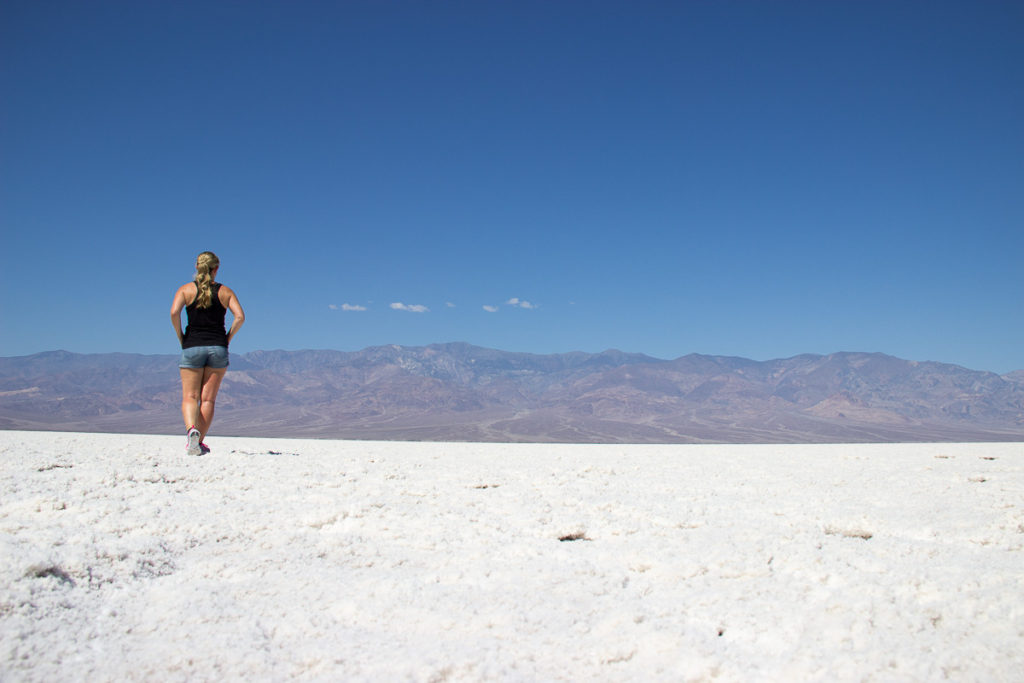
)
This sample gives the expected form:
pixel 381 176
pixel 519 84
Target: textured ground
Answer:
pixel 123 559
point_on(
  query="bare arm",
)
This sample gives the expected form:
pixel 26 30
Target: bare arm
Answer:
pixel 235 307
pixel 176 306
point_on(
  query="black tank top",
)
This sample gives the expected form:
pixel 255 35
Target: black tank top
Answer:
pixel 205 325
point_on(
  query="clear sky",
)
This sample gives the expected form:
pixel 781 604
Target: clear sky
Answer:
pixel 759 179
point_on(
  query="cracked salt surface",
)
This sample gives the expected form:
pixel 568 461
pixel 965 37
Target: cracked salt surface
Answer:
pixel 124 559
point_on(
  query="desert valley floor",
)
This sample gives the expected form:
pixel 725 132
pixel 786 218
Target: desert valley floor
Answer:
pixel 124 559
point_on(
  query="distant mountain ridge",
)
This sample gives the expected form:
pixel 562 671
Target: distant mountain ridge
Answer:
pixel 461 392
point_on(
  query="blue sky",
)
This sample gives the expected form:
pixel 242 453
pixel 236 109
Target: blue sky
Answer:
pixel 759 179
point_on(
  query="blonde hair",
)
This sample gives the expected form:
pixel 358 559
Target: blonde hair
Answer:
pixel 206 263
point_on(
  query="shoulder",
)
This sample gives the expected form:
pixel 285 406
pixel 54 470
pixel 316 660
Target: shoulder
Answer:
pixel 187 290
pixel 225 293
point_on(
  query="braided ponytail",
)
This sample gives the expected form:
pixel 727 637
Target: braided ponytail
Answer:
pixel 206 263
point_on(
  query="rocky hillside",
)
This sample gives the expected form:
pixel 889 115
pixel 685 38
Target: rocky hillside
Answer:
pixel 462 392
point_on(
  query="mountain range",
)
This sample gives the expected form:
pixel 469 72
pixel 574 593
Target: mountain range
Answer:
pixel 460 392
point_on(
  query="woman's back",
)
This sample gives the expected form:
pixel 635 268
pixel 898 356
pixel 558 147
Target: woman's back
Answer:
pixel 206 325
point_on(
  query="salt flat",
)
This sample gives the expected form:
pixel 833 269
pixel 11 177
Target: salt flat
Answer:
pixel 124 559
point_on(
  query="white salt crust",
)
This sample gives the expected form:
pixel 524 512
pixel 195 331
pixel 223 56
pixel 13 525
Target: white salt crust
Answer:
pixel 121 558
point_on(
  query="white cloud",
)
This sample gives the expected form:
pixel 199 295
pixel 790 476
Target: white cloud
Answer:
pixel 491 309
pixel 333 307
pixel 450 305
pixel 352 307
pixel 412 308
pixel 516 301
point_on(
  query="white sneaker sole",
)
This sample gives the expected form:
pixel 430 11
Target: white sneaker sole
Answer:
pixel 192 448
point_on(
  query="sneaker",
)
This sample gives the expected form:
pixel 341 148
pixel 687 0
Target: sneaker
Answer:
pixel 192 445
pixel 204 448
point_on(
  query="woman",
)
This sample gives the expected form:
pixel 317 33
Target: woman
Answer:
pixel 204 346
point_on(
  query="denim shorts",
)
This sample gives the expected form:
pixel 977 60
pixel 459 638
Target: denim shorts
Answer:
pixel 197 357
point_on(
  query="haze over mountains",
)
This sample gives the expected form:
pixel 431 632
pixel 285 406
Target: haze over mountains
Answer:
pixel 459 392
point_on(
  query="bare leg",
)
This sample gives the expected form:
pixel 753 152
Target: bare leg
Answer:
pixel 191 390
pixel 208 398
